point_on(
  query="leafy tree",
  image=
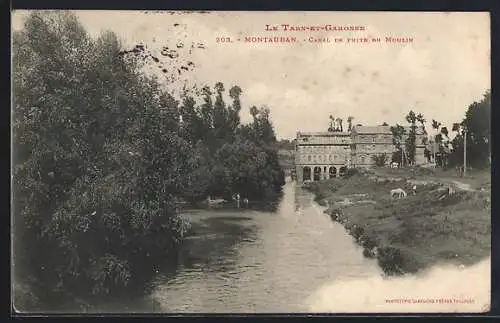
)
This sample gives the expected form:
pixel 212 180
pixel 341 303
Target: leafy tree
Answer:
pixel 220 118
pixel 234 111
pixel 331 126
pixel 411 118
pixel 103 154
pixel 98 161
pixel 398 132
pixel 436 125
pixel 339 124
pixel 477 123
pixel 349 123
pixel 420 118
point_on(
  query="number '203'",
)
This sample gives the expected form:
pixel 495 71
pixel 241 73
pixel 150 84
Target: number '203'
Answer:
pixel 222 39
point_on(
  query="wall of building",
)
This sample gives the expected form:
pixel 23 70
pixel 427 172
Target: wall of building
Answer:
pixel 333 150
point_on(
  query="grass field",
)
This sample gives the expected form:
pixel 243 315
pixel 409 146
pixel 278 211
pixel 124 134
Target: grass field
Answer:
pixel 410 234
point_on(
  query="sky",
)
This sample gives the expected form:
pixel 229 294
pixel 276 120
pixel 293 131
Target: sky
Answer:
pixel 439 74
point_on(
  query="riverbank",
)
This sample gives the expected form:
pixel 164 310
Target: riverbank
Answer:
pixel 411 234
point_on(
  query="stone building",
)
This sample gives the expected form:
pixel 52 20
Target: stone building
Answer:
pixel 367 141
pixel 322 155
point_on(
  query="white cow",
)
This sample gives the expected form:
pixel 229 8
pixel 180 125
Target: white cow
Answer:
pixel 398 192
pixel 394 165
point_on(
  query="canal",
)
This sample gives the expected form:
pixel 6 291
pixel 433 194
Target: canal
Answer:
pixel 243 260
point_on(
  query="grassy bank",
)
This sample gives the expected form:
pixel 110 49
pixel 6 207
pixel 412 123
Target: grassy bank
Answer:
pixel 411 234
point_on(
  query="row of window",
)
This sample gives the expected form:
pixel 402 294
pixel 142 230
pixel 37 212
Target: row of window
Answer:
pixel 373 146
pixel 373 138
pixel 325 158
pixel 316 149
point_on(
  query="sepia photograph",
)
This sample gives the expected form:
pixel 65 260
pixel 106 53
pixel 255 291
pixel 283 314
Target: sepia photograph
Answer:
pixel 241 162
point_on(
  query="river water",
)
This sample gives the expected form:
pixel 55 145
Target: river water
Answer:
pixel 294 259
pixel 248 261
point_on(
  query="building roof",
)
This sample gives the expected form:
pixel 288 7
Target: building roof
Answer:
pixel 382 129
pixel 372 129
pixel 323 134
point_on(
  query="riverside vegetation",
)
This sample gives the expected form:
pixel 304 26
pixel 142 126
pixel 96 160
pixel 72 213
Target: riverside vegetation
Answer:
pixel 411 234
pixel 102 155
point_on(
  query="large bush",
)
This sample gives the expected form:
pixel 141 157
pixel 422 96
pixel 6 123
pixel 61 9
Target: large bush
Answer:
pixel 98 162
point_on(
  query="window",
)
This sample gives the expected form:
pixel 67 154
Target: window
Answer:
pixel 309 158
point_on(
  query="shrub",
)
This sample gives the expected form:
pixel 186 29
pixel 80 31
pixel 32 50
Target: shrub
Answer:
pixel 380 160
pixel 351 172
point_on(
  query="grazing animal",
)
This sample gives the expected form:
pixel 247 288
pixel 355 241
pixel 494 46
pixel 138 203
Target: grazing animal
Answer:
pixel 394 165
pixel 398 192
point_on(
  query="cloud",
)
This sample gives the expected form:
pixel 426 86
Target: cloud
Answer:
pixel 444 70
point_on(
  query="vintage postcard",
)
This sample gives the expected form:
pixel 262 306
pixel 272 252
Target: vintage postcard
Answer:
pixel 251 162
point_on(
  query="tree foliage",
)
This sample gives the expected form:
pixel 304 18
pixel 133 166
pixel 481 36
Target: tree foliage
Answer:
pixel 102 155
pixel 380 160
pixel 398 133
pixel 477 122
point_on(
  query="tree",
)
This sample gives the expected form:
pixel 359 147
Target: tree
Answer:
pixel 385 124
pixel 98 161
pixel 477 123
pixel 349 123
pixel 436 125
pixel 101 159
pixel 398 132
pixel 234 111
pixel 339 124
pixel 410 143
pixel 421 120
pixel 331 126
pixel 207 122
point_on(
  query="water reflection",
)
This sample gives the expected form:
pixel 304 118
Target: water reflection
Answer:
pixel 250 260
pixel 290 259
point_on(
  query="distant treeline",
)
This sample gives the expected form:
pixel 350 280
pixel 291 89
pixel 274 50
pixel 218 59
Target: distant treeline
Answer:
pixel 476 125
pixel 103 154
pixel 286 144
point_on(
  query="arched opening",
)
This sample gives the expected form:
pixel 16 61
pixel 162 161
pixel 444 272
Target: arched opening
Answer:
pixel 306 174
pixel 333 172
pixel 342 170
pixel 317 173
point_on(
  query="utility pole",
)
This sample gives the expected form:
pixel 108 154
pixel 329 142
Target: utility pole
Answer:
pixel 465 151
pixel 402 155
